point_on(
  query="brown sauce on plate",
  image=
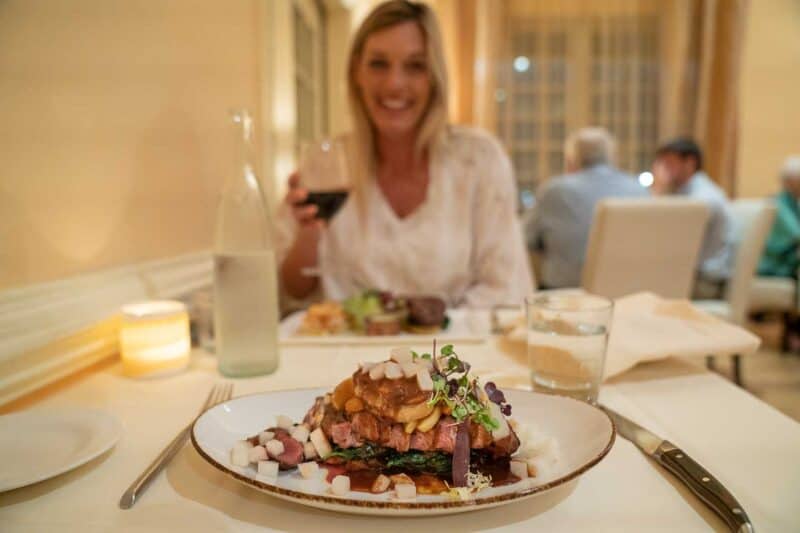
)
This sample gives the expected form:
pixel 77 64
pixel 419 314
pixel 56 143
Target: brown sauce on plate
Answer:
pixel 500 474
pixel 362 480
pixel 386 396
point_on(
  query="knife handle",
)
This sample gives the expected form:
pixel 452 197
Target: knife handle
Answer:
pixel 705 486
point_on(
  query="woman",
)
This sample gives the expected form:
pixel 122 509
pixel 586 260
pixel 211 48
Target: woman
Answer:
pixel 433 205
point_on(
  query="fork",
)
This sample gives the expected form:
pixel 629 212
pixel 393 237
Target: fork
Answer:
pixel 219 393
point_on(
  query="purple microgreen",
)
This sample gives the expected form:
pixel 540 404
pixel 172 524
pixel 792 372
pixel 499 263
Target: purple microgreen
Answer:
pixel 496 396
pixel 452 387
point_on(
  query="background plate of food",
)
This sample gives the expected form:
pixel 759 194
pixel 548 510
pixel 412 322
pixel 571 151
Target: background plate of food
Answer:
pixel 379 317
pixel 409 436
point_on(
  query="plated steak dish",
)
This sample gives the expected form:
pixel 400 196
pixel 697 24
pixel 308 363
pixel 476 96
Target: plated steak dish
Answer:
pixel 418 423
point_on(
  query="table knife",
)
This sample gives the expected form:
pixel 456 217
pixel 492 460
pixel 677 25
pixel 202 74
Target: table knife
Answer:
pixel 687 470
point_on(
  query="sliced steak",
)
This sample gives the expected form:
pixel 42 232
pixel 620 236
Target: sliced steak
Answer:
pixel 446 430
pixel 315 415
pixel 292 451
pixel 365 426
pixel 397 439
pixel 478 436
pixel 425 310
pixel 331 418
pixel 342 434
pixel 423 441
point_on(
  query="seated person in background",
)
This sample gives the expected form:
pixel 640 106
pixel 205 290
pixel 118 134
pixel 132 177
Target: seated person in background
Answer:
pixel 433 206
pixel 678 170
pixel 559 226
pixel 780 254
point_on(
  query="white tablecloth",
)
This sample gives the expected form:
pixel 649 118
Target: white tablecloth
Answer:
pixel 753 449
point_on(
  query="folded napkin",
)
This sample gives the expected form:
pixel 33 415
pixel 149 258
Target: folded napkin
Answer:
pixel 646 327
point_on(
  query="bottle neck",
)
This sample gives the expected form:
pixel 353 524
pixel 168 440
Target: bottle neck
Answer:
pixel 243 220
pixel 245 150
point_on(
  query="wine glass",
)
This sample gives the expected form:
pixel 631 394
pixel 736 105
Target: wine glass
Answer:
pixel 323 171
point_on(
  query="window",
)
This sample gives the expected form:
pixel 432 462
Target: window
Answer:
pixel 567 72
pixel 309 73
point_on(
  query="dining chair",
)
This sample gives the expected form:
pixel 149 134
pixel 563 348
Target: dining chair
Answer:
pixel 773 295
pixel 752 220
pixel 644 245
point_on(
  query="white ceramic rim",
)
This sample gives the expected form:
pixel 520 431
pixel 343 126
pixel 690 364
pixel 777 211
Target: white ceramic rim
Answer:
pixel 359 506
pixel 110 429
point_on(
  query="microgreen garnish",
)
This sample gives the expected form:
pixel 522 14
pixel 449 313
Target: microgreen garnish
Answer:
pixel 415 356
pixel 453 386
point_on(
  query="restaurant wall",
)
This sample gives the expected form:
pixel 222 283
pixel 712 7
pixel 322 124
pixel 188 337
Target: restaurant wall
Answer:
pixel 113 138
pixel 770 84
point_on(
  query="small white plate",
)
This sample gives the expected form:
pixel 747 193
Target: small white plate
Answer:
pixel 584 435
pixel 39 444
pixel 466 326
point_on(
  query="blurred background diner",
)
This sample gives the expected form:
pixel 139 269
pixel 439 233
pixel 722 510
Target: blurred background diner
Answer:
pixel 547 116
pixel 559 226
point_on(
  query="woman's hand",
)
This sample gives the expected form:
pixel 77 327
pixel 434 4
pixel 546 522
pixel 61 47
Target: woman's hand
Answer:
pixel 305 215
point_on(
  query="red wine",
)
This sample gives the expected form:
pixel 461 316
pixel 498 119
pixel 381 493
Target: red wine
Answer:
pixel 327 202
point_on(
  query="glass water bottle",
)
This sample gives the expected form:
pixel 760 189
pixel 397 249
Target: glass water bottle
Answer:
pixel 245 283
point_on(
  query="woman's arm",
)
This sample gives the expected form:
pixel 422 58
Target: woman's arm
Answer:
pixel 302 255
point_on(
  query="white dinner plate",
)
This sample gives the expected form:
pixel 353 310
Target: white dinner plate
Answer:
pixel 466 326
pixel 584 435
pixel 39 444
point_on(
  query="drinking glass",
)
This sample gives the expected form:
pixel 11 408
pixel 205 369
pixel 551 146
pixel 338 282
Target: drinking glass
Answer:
pixel 323 171
pixel 567 339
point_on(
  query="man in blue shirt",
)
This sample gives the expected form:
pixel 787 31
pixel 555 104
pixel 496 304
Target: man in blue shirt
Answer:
pixel 559 226
pixel 678 170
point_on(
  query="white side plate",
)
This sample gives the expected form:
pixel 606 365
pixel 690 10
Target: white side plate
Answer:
pixel 39 444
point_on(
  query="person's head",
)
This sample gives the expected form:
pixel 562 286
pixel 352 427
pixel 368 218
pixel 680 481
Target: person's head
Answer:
pixel 397 80
pixel 790 175
pixel 679 159
pixel 588 147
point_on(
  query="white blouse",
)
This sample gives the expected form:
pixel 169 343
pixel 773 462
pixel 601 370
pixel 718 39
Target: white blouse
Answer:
pixel 463 243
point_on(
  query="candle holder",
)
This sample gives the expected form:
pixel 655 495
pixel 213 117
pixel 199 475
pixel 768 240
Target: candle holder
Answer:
pixel 154 338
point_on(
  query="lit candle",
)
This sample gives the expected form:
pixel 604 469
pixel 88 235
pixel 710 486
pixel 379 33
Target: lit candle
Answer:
pixel 154 338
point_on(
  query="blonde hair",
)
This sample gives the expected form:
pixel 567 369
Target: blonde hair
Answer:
pixel 433 125
pixel 588 147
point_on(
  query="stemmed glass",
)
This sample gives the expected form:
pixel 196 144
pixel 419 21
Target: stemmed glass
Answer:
pixel 324 173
